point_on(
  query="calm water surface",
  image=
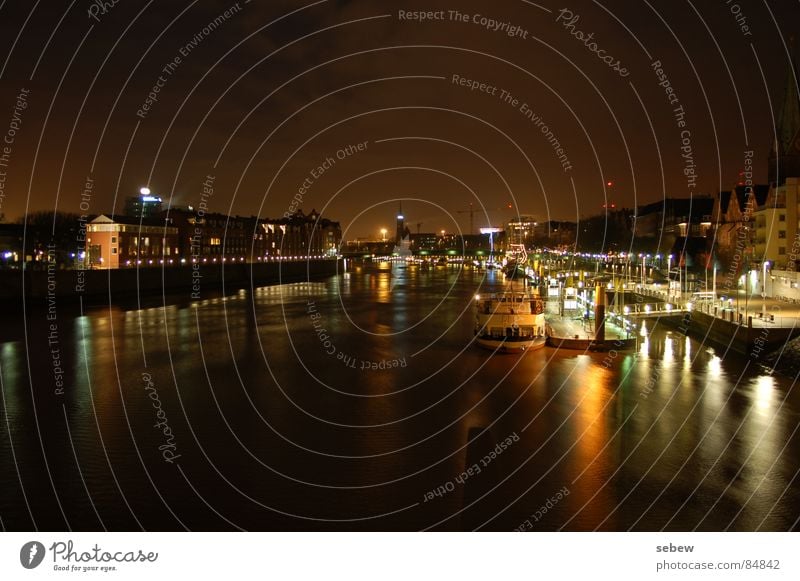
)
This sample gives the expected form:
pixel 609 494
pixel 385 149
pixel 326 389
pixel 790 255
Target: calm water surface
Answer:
pixel 360 403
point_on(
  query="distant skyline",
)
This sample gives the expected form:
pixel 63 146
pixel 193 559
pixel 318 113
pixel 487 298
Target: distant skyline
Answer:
pixel 347 107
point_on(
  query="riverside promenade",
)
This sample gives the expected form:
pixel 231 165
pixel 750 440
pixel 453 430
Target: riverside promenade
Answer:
pixel 746 324
pixel 569 330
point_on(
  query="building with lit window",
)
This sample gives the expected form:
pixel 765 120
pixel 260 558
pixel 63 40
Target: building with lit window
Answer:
pixel 145 205
pixel 302 235
pixel 179 236
pixel 777 219
pixel 215 237
pixel 784 159
pixel 211 236
pixel 11 251
pixel 119 241
pixel 734 221
pixel 425 241
pixel 522 230
pixel 674 217
pixel 777 225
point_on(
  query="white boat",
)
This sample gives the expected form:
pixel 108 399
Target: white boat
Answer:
pixel 511 321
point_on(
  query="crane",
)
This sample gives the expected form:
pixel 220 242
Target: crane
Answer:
pixel 471 213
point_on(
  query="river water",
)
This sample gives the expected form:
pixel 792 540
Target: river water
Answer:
pixel 360 402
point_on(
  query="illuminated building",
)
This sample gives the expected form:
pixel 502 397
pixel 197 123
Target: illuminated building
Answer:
pixel 145 205
pixel 784 159
pixel 118 241
pixel 522 230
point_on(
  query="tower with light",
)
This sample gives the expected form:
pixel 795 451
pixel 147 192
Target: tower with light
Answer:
pixel 400 232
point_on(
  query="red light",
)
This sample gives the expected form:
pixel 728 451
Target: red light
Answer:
pixel 609 184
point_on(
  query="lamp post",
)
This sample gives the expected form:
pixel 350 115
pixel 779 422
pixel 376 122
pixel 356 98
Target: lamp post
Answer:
pixel 384 231
pixel 669 277
pixel 714 282
pixel 644 266
pixel 628 268
pixel 639 266
pixel 738 308
pixel 746 294
pixel 764 290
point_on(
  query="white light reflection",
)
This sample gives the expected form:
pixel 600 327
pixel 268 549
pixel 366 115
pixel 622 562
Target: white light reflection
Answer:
pixel 668 350
pixel 644 348
pixel 715 366
pixel 764 394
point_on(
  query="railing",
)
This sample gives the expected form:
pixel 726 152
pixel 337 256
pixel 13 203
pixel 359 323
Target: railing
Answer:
pixel 654 293
pixel 651 309
pixel 744 316
pixel 622 322
pixel 790 300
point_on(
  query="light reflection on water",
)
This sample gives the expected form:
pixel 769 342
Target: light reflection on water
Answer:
pixel 670 434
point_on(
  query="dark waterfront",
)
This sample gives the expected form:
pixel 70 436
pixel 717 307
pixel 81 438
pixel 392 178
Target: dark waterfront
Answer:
pixel 343 404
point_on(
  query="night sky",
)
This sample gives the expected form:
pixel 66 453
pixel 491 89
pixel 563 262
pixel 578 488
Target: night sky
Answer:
pixel 262 95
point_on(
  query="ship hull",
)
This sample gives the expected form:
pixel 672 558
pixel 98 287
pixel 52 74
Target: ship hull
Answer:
pixel 510 344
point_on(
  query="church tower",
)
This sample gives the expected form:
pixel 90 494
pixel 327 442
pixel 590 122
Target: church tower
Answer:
pixel 784 159
pixel 400 232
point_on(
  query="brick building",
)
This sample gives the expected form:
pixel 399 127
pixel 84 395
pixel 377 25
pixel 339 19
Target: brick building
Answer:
pixel 119 241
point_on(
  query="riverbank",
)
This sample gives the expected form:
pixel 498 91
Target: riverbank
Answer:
pixel 196 281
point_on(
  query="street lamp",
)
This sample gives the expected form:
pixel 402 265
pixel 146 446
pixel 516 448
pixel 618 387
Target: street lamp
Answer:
pixel 383 234
pixel 764 291
pixel 669 277
pixel 714 281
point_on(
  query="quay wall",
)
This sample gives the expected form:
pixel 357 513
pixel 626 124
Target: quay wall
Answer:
pixel 128 282
pixel 755 342
pixel 589 344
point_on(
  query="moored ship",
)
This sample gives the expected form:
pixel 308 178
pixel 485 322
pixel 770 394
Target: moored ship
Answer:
pixel 511 321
